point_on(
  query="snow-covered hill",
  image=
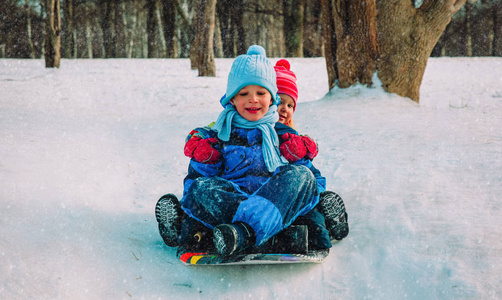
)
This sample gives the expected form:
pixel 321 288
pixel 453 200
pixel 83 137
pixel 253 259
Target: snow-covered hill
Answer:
pixel 86 151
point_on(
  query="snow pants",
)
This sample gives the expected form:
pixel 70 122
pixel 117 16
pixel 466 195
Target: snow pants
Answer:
pixel 289 193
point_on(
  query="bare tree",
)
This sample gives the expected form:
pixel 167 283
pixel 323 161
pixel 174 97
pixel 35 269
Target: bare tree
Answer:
pixel 53 34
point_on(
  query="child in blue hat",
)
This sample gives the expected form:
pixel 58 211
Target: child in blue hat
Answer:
pixel 240 191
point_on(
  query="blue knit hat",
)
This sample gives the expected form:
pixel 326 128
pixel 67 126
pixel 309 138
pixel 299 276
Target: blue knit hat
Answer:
pixel 252 68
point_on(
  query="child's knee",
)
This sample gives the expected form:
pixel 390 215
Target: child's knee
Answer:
pixel 301 173
pixel 201 186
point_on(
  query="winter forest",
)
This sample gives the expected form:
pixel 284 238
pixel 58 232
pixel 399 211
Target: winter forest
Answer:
pixel 403 97
pixel 157 29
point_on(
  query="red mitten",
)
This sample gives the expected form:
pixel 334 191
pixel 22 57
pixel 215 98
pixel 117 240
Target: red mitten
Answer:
pixel 293 147
pixel 311 147
pixel 202 150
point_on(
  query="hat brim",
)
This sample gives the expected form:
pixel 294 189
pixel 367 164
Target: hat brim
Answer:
pixel 225 100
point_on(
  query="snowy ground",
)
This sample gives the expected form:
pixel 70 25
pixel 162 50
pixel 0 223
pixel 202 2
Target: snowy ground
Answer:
pixel 86 151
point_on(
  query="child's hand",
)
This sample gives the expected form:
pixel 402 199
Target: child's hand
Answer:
pixel 311 147
pixel 202 150
pixel 296 147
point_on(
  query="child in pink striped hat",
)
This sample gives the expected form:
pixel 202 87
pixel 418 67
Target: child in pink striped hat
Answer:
pixel 299 149
pixel 295 147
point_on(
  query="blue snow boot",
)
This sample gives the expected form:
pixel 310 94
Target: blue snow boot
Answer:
pixel 332 207
pixel 232 238
pixel 168 212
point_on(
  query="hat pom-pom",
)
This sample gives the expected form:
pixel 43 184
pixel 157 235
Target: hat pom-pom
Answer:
pixel 256 50
pixel 283 63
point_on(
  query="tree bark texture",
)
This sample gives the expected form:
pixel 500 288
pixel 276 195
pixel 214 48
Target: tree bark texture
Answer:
pixel 293 27
pixel 330 43
pixel 397 43
pixel 53 34
pixel 238 25
pixel 312 29
pixel 68 41
pixel 205 36
pixel 259 15
pixel 354 47
pixel 497 30
pixel 107 25
pixel 120 40
pixel 169 27
pixel 28 30
pixel 467 32
pixel 150 27
pixel 407 36
pixel 88 35
pixel 232 31
pixel 196 26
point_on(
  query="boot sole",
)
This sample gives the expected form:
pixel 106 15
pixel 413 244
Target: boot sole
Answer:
pixel 168 216
pixel 336 217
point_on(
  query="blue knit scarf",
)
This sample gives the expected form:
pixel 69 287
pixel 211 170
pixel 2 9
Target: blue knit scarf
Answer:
pixel 270 142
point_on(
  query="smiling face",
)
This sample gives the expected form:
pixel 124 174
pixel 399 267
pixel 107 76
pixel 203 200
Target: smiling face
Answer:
pixel 286 109
pixel 252 102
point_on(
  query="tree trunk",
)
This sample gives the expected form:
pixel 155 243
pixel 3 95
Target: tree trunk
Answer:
pixel 197 28
pixel 53 34
pixel 130 30
pixel 312 29
pixel 120 40
pixel 169 26
pixel 69 41
pixel 227 39
pixel 233 36
pixel 44 25
pixel 355 41
pixel 28 30
pixel 329 41
pixel 293 27
pixel 467 36
pixel 218 43
pixel 206 63
pixel 407 37
pixel 497 30
pixel 88 34
pixel 109 42
pixel 404 40
pixel 150 27
pixel 236 15
pixel 158 19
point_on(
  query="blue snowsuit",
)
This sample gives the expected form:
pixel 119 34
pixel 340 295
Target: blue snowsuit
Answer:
pixel 240 188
